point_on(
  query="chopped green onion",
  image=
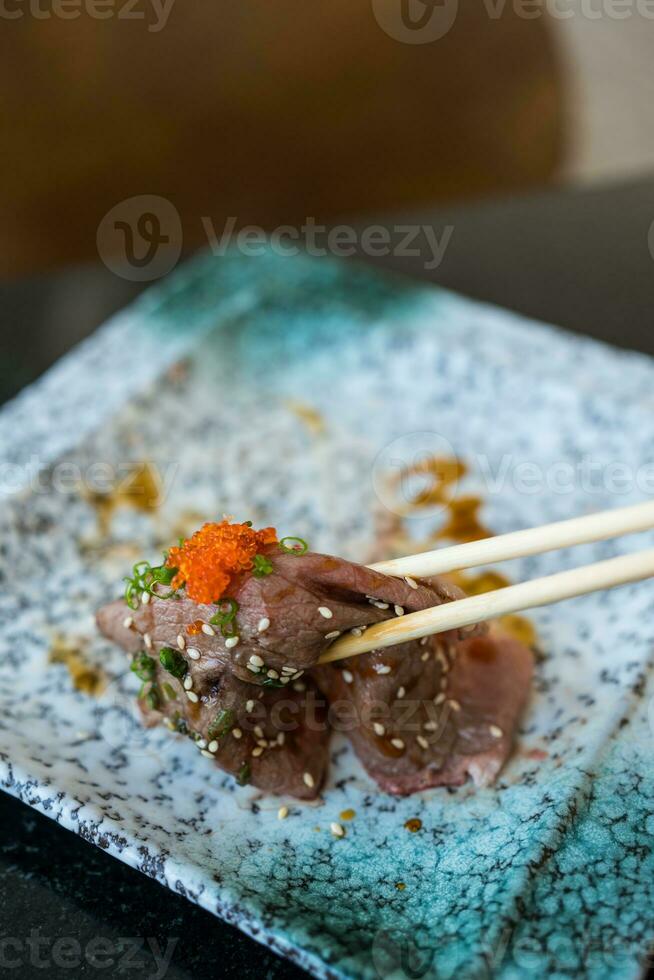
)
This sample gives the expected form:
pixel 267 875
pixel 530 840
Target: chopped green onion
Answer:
pixel 144 577
pixel 244 774
pixel 225 617
pixel 299 548
pixel 172 661
pixel 180 724
pixel 143 666
pixel 152 698
pixel 168 691
pixel 261 566
pixel 271 682
pixel 222 724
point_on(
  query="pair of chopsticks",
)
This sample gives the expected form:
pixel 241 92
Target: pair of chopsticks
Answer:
pixel 513 598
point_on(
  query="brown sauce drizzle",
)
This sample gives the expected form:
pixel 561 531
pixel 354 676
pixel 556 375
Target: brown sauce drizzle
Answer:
pixel 413 825
pixel 519 627
pixel 139 489
pixel 463 523
pixel 308 415
pixel 86 676
pixel 444 472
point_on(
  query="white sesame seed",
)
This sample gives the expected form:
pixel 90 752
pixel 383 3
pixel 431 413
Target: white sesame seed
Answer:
pixel 206 754
pixel 424 641
pixel 201 743
pixel 145 598
pixel 422 741
pixel 337 830
pixel 308 780
pixel 379 728
pixel 287 669
pixel 285 679
pixel 399 610
pixel 411 582
pixel 262 742
pixel 249 706
pixel 208 629
pixel 231 642
pixel 253 668
pixel 147 639
pixel 424 656
pixel 325 612
pixel 332 635
pixel 297 675
pixel 188 682
pixel 495 731
pixel 347 676
pixel 454 705
pixel 274 676
pixel 430 726
pixel 380 605
pixel 382 668
pixel 439 698
pixel 281 738
pixel 258 731
pixel 193 653
pixel 128 622
pixel 401 691
pixel 181 642
pixel 356 631
pixel 397 743
pixel 213 746
pixel 256 660
pixel 236 733
pixel 264 623
pixel 192 696
pixel 299 686
pixel 257 751
pixel 282 813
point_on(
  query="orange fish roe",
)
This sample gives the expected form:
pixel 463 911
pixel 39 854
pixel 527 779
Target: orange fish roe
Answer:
pixel 207 561
pixel 194 628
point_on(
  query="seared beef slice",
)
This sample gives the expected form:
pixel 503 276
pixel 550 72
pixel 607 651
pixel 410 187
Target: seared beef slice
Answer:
pixel 273 738
pixel 434 713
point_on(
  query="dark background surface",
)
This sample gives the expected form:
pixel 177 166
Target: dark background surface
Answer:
pixel 579 259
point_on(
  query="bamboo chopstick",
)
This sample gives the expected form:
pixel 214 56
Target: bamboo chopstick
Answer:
pixel 518 544
pixel 514 598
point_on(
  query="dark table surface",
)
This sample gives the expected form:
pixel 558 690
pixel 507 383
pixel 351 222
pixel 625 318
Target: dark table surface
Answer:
pixel 580 259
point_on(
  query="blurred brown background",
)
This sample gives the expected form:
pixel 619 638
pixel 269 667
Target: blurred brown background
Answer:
pixel 268 112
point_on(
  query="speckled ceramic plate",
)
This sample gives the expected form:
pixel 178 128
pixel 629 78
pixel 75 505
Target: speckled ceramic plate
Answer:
pixel 285 391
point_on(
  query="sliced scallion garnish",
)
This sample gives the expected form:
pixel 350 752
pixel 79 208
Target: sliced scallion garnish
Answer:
pixel 299 548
